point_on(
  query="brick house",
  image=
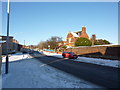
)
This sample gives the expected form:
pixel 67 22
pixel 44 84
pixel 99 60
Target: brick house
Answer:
pixel 3 44
pixel 13 44
pixel 73 36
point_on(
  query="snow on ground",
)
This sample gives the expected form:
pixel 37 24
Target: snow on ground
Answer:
pixel 31 73
pixel 52 54
pixel 111 63
pixel 15 57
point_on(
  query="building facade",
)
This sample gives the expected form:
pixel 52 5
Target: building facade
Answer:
pixel 73 36
pixel 3 44
pixel 14 45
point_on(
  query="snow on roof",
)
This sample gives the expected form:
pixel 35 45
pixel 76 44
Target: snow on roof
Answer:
pixel 78 31
pixel 74 34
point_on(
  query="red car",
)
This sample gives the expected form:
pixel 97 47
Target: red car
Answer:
pixel 69 55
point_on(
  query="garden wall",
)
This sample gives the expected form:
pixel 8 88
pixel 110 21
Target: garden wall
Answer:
pixel 95 51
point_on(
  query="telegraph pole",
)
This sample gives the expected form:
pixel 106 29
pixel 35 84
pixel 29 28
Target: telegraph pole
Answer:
pixel 7 41
pixel 24 43
pixel 24 48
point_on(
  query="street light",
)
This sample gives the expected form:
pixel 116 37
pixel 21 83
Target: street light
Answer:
pixel 7 41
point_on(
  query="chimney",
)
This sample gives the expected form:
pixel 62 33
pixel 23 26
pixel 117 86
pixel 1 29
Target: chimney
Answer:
pixel 93 39
pixel 83 29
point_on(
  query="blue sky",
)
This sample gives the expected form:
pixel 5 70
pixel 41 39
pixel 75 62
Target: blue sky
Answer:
pixel 38 21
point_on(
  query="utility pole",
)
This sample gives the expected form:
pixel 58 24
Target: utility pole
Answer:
pixel 24 48
pixel 7 41
pixel 24 43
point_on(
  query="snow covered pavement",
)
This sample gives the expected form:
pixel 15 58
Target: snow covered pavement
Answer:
pixel 111 63
pixel 27 73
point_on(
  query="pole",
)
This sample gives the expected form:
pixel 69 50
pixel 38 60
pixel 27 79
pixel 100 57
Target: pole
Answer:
pixel 24 48
pixel 24 43
pixel 7 41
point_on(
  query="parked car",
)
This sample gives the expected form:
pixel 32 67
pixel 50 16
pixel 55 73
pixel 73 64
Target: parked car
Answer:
pixel 69 55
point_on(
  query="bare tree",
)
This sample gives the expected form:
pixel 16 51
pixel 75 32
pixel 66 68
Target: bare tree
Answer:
pixel 51 43
pixel 42 45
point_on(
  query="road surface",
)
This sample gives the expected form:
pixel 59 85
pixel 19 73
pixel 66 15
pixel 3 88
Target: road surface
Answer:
pixel 100 75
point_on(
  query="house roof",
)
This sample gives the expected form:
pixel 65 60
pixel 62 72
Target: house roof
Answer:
pixel 79 31
pixel 74 34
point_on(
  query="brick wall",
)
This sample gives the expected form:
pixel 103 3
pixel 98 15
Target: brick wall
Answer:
pixel 99 50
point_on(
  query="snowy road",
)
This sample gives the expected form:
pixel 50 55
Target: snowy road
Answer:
pixel 97 74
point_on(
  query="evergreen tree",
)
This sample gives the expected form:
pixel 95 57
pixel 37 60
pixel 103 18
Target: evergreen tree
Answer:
pixel 83 42
pixel 101 42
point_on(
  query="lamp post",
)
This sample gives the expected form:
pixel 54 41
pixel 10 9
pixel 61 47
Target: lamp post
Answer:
pixel 7 41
